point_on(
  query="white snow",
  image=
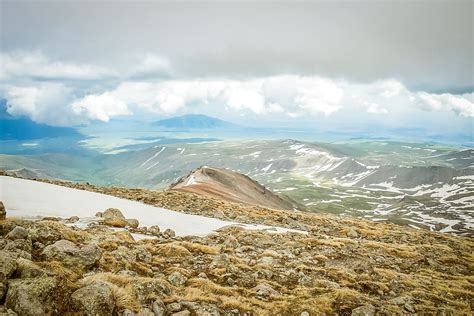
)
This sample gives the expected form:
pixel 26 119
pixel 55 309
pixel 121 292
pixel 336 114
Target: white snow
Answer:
pixel 29 199
pixel 152 157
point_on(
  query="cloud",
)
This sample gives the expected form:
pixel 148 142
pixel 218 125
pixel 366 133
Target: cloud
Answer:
pixel 43 103
pixel 35 65
pixel 460 104
pixel 100 107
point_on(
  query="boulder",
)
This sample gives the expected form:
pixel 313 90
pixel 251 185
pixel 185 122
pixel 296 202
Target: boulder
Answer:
pixel 17 233
pixel 72 219
pixel 132 222
pixel 95 299
pixel 265 290
pixel 154 230
pixel 147 289
pixel 8 266
pixel 71 255
pixel 169 233
pixel 366 310
pixel 145 312
pixel 3 212
pixel 158 308
pixel 115 222
pixel 112 213
pixel 177 279
pixel 31 296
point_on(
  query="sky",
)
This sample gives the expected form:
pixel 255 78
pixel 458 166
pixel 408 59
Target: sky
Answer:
pixel 326 64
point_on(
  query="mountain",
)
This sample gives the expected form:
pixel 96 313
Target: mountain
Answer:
pixel 230 186
pixel 189 254
pixel 194 121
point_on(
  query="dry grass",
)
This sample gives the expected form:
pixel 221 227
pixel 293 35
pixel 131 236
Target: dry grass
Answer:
pixel 196 247
pixel 173 250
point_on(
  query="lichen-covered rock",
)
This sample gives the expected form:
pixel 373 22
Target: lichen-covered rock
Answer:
pixel 72 219
pixel 115 222
pixel 145 312
pixel 17 233
pixel 44 233
pixel 169 233
pixel 265 290
pixel 71 255
pixel 95 299
pixel 31 296
pixel 132 222
pixel 112 213
pixel 366 310
pixel 154 230
pixel 177 279
pixel 3 212
pixel 19 244
pixel 8 266
pixel 147 289
pixel 158 308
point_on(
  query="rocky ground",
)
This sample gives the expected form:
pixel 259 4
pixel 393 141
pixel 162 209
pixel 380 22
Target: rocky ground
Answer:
pixel 335 265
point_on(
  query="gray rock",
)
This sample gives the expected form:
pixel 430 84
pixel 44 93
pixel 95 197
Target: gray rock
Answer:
pixel 409 307
pixel 132 222
pixel 31 296
pixel 72 219
pixel 366 310
pixel 94 299
pixel 19 244
pixel 173 307
pixel 3 212
pixel 266 260
pixel 112 213
pixel 17 233
pixel 158 308
pixel 71 255
pixel 265 290
pixel 8 266
pixel 146 312
pixel 352 233
pixel 128 312
pixel 177 279
pixel 154 230
pixel 146 288
pixel 305 313
pixel 169 233
pixel 182 313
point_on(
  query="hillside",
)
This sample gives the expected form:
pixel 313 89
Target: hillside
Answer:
pixel 229 186
pixel 330 265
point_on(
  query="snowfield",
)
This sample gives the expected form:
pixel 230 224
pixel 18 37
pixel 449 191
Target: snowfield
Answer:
pixel 31 199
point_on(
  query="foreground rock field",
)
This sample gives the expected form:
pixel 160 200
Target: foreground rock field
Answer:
pixel 339 267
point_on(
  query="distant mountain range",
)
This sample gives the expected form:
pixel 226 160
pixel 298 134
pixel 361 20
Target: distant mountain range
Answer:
pixel 195 121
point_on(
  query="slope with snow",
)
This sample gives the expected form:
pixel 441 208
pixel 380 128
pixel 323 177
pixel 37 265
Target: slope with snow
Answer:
pixel 31 199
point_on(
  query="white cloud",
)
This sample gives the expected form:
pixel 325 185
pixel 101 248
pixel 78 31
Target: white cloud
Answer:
pixel 43 103
pixel 35 65
pixel 460 104
pixel 100 107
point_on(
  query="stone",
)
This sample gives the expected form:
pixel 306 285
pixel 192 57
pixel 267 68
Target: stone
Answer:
pixel 72 219
pixel 202 275
pixel 94 299
pixel 3 212
pixel 305 313
pixel 173 307
pixel 71 255
pixel 158 308
pixel 112 213
pixel 409 307
pixel 366 310
pixel 128 312
pixel 133 223
pixel 17 233
pixel 31 296
pixel 265 290
pixel 146 312
pixel 115 222
pixel 266 260
pixel 19 244
pixel 177 279
pixel 147 289
pixel 154 230
pixel 169 233
pixel 8 266
pixel 182 313
pixel 352 233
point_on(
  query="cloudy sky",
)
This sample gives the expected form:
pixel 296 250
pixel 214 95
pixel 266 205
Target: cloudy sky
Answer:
pixel 347 64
